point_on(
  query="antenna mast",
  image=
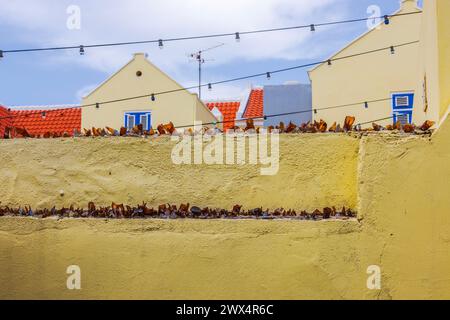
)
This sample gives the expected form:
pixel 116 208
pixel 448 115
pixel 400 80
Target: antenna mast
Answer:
pixel 199 57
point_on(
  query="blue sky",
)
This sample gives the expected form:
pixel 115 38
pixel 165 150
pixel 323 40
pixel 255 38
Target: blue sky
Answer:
pixel 63 77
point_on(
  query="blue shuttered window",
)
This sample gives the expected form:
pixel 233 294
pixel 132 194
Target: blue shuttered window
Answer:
pixel 132 119
pixel 402 107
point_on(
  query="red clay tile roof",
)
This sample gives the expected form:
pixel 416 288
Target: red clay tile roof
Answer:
pixel 255 104
pixel 55 120
pixel 228 110
pixel 5 120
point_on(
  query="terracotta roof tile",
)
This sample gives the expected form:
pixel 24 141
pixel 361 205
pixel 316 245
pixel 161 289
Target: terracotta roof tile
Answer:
pixel 228 110
pixel 39 122
pixel 5 120
pixel 255 104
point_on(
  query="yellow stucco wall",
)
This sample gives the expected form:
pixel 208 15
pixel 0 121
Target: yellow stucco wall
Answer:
pixel 398 184
pixel 428 93
pixel 131 170
pixel 443 11
pixel 182 108
pixel 180 259
pixel 373 76
pixel 403 225
pixel 404 207
pixel 433 65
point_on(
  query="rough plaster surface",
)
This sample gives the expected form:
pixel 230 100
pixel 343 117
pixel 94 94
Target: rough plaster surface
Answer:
pixel 151 259
pixel 315 172
pixel 404 202
pixel 403 226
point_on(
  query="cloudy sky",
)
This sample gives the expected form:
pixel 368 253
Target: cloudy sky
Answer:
pixel 63 77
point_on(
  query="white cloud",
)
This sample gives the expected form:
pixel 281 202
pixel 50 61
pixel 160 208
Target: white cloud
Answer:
pixel 83 92
pixel 43 23
pixel 224 91
pixel 105 21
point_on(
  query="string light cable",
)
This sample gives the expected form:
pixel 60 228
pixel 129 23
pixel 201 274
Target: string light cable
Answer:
pixel 237 35
pixel 374 121
pixel 154 95
pixel 265 117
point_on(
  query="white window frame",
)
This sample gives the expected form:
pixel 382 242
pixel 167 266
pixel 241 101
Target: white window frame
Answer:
pixel 131 116
pixel 145 117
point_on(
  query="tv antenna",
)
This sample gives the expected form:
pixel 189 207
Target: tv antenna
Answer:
pixel 199 57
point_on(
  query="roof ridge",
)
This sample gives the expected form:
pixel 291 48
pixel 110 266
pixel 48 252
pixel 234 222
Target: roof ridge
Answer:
pixel 46 107
pixel 222 101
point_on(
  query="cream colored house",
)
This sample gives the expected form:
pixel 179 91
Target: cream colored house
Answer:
pixel 140 77
pixel 380 75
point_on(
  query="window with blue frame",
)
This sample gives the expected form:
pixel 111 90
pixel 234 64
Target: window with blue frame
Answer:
pixel 404 117
pixel 402 107
pixel 133 119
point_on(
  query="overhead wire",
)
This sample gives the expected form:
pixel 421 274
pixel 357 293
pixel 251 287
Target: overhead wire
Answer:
pixel 160 41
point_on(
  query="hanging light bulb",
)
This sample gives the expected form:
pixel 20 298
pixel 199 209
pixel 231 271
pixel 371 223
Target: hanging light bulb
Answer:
pixel 152 97
pixel 161 44
pixel 81 50
pixel 386 20
pixel 315 111
pixel 329 62
pixel 209 86
pixel 268 75
pixel 313 28
pixel 97 105
pixel 366 105
pixel 1 54
pixel 238 37
pixel 43 115
pixel 392 50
